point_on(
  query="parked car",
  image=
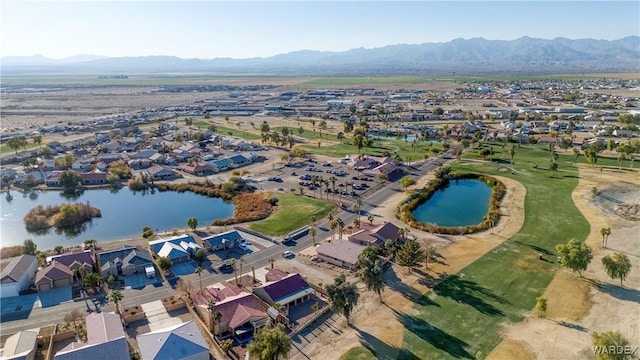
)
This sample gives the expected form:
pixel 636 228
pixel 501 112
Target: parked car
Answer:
pixel 287 254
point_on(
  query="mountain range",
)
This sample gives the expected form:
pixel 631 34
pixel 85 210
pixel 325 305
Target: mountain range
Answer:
pixel 459 56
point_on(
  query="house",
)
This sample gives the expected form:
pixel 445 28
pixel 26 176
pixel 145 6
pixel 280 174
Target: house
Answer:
pixel 157 172
pixel 157 158
pixel 137 164
pixel 53 178
pixel 198 169
pixel 241 311
pixel 18 275
pixel 124 261
pixel 81 165
pixel 240 160
pixel 94 178
pixel 622 133
pixel 74 260
pixel 284 288
pixel 21 345
pixel 375 236
pixel 109 158
pixel 225 240
pixel 341 253
pixel 221 164
pixel 106 340
pixel 384 169
pixel 53 276
pixel 178 248
pixel 183 341
pixel 144 154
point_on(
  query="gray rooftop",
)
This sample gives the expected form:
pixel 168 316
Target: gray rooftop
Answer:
pixel 16 268
pixel 20 344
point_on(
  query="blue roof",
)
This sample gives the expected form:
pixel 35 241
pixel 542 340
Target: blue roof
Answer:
pixel 221 163
pixel 179 342
pixel 238 158
pixel 214 240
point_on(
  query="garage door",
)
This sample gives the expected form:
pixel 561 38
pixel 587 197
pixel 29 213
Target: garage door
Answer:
pixel 61 282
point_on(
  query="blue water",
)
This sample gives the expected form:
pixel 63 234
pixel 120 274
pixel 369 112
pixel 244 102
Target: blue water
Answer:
pixel 394 137
pixel 463 203
pixel 124 214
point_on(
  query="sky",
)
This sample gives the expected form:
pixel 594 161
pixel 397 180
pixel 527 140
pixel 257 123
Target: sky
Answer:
pixel 243 29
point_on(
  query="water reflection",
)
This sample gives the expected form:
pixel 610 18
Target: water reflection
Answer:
pixel 71 194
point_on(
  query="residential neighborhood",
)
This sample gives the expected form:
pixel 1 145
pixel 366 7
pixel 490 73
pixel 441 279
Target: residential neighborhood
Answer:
pixel 209 289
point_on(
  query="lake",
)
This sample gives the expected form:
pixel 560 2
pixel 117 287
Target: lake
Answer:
pixel 463 203
pixel 124 214
pixel 394 137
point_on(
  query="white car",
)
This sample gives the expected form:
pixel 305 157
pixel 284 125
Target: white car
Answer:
pixel 287 254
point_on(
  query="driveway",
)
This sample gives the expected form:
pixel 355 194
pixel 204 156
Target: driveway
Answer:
pixel 181 269
pixel 139 281
pixel 19 307
pixel 158 317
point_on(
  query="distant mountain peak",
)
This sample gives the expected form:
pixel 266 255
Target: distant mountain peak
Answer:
pixel 474 55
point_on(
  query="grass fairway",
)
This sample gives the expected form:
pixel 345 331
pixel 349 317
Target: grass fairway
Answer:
pixel 6 149
pixel 358 353
pixel 462 318
pixel 293 212
pixel 408 150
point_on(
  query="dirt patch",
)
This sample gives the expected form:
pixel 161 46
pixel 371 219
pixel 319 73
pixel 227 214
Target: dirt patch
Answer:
pixel 509 349
pixel 577 307
pixel 573 307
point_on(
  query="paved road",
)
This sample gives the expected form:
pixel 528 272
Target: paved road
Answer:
pixel 46 316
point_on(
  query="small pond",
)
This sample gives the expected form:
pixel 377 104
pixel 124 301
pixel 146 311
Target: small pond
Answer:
pixel 464 203
pixel 124 214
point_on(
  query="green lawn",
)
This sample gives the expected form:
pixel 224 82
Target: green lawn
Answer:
pixel 5 149
pixel 293 212
pixel 401 147
pixel 462 318
pixel 223 130
pixel 358 353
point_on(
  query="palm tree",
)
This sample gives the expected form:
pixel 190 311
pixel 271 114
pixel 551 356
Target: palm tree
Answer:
pixel 235 270
pixel 312 232
pixel 271 261
pixel 493 218
pixel 340 227
pixel 333 225
pixel 356 223
pixel 79 273
pixel 217 316
pixel 253 270
pixel 605 232
pixel 370 218
pixel 333 185
pixel 91 279
pixel 199 272
pixel 356 207
pixel 116 296
pixel 211 306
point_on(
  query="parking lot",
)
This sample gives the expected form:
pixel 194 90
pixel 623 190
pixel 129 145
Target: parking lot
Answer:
pixel 349 184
